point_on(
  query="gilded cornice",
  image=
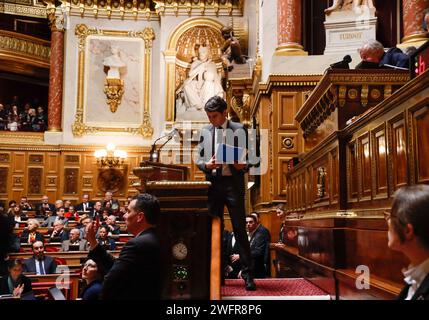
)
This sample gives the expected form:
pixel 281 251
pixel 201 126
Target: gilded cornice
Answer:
pixel 31 50
pixel 199 7
pixel 36 11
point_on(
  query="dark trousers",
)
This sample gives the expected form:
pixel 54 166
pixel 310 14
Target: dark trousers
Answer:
pixel 226 191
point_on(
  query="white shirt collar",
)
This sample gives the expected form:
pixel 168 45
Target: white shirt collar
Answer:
pixel 225 124
pixel 415 275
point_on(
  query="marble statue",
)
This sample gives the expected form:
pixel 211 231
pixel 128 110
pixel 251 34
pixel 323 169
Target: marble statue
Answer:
pixel 355 5
pixel 203 82
pixel 114 63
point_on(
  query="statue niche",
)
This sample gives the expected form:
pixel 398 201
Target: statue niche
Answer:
pixel 198 72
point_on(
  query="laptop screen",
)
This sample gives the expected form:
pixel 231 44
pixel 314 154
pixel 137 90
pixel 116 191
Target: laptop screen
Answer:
pixel 56 293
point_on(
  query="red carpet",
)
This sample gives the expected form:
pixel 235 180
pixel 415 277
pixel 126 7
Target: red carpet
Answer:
pixel 273 287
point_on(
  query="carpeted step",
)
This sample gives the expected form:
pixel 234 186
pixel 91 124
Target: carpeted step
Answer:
pixel 274 288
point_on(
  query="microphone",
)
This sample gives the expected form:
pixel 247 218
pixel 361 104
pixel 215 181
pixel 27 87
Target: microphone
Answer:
pixel 153 155
pixel 344 64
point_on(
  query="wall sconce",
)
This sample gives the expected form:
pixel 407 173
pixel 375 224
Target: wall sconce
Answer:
pixel 110 157
pixel 114 90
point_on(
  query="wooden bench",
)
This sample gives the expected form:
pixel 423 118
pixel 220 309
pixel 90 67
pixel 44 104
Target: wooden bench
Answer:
pixel 42 283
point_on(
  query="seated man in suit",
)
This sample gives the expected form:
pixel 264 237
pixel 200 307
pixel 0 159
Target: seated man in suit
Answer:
pixel 373 56
pixel 74 243
pixel 408 232
pixel 85 205
pixel 49 222
pixel 267 236
pixel 136 273
pixel 58 233
pixel 44 207
pixel 259 245
pixel 39 263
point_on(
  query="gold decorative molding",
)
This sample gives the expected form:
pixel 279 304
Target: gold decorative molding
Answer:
pixel 15 46
pixel 122 9
pixel 23 10
pixel 79 128
pixel 199 7
pixel 21 138
pixel 114 90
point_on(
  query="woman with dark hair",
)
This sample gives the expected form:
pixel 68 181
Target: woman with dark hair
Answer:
pixel 408 232
pixel 15 282
pixel 93 275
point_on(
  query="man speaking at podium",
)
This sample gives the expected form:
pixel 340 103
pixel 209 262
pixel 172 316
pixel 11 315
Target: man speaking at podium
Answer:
pixel 226 177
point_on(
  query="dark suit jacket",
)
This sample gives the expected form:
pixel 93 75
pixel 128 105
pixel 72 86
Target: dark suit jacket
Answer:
pixel 40 212
pixel 79 207
pixel 206 150
pixel 395 57
pixel 25 234
pixel 62 236
pixel 258 249
pixel 136 273
pixel 49 264
pixel 4 286
pixel 422 292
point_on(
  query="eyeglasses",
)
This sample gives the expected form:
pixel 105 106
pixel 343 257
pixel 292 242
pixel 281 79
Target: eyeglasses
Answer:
pixel 387 215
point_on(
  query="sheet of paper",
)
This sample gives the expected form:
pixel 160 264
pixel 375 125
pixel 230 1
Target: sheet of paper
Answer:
pixel 229 154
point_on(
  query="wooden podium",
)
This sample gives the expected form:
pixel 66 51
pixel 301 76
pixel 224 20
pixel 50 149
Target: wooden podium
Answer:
pixel 190 238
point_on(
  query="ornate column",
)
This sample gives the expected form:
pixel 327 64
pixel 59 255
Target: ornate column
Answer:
pixel 56 71
pixel 413 21
pixel 289 34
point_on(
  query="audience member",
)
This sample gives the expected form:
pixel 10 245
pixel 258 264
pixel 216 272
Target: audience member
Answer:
pixel 267 238
pixel 109 202
pixel 25 206
pixel 30 234
pixel 84 221
pixel 49 222
pixel 39 263
pixel 71 214
pixel 233 267
pixel 58 234
pixel 93 275
pixel 74 243
pixel 111 226
pixel 373 56
pixel 15 282
pixel 85 205
pixel 44 207
pixel 136 273
pixel 96 210
pixel 67 204
pixel 104 239
pixel 258 247
pixel 408 232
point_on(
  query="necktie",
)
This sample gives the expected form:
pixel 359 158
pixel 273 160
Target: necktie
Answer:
pixel 84 207
pixel 41 267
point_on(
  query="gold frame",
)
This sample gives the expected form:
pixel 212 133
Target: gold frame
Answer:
pixel 170 58
pixel 79 128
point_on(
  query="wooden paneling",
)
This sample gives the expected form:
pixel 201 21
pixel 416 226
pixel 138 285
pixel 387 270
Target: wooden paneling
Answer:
pixel 35 180
pixel 3 180
pixel 288 106
pixel 71 181
pixel 420 130
pixel 398 151
pixel 365 168
pixel 352 175
pixel 380 162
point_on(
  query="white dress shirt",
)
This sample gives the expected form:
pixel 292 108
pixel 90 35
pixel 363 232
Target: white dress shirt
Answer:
pixel 414 276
